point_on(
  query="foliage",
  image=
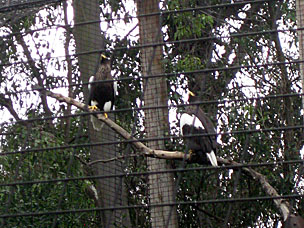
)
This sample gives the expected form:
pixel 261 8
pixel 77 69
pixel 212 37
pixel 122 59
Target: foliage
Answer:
pixel 200 65
pixel 240 115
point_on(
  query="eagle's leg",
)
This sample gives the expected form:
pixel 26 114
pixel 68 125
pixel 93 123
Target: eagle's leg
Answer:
pixel 190 152
pixel 93 107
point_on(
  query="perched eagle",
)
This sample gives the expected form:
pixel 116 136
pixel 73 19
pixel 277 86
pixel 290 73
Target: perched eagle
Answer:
pixel 101 94
pixel 194 121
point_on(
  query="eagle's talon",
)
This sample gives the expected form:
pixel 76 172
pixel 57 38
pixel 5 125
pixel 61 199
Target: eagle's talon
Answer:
pixel 93 107
pixel 190 152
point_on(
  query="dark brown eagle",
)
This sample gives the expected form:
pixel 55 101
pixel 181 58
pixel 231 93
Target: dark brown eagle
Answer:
pixel 101 94
pixel 194 121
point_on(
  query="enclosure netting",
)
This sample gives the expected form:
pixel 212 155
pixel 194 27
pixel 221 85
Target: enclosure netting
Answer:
pixel 243 61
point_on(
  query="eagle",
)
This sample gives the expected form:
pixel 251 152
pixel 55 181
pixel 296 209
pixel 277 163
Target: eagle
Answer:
pixel 101 94
pixel 194 121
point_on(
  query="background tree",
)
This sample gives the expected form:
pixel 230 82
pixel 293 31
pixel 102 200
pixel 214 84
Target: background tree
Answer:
pixel 161 186
pixel 225 53
pixel 89 38
pixel 252 43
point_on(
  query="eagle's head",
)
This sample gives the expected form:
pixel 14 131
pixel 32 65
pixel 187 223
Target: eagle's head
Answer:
pixel 192 97
pixel 103 59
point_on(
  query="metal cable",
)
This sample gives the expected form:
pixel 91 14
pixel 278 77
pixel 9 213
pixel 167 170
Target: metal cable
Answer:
pixel 223 101
pixel 236 35
pixel 206 70
pixel 39 150
pixel 31 5
pixel 212 201
pixel 146 173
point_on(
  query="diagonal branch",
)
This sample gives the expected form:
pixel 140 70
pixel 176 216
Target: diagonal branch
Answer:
pixel 122 132
pixel 6 102
pixel 281 204
pixel 36 73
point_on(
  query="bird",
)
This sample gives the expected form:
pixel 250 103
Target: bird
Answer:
pixel 194 121
pixel 101 94
pixel 293 221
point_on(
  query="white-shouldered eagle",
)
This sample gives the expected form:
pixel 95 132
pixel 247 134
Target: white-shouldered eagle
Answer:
pixel 194 121
pixel 101 94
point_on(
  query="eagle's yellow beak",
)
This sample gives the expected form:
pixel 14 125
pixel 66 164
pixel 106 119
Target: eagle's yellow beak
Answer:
pixel 191 94
pixel 103 56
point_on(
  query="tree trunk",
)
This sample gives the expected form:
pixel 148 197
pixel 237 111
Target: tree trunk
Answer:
pixel 300 24
pixel 110 191
pixel 161 186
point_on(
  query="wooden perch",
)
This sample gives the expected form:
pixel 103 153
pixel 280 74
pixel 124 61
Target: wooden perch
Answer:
pixel 281 204
pixel 122 132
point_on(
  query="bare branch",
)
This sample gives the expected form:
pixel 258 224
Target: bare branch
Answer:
pixel 69 68
pixel 6 102
pixel 113 159
pixel 83 162
pixel 122 132
pixel 36 73
pixel 281 204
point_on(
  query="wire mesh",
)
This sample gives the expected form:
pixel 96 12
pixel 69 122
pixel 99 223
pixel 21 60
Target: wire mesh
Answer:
pixel 241 58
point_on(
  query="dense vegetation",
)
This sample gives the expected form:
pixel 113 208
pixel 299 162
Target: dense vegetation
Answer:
pixel 213 44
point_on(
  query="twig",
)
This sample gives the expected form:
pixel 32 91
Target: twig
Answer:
pixel 37 75
pixel 6 102
pixel 208 213
pixel 113 159
pixel 81 160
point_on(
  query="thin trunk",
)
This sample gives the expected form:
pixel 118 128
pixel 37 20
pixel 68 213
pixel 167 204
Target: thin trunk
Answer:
pixel 69 73
pixel 287 111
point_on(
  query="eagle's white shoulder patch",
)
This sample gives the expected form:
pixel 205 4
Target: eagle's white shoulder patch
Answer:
pixel 90 81
pixel 190 120
pixel 115 87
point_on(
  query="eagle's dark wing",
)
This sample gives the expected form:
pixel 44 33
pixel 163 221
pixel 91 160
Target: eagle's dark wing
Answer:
pixel 194 121
pixel 102 93
pixel 208 125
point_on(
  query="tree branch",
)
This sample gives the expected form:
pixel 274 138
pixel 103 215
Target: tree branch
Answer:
pixel 113 159
pixel 36 73
pixel 69 68
pixel 281 204
pixel 7 103
pixel 122 132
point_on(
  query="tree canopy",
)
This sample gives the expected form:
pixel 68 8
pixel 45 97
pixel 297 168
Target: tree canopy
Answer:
pixel 240 57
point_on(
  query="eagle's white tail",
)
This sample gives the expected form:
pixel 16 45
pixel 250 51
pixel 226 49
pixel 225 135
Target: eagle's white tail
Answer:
pixel 212 158
pixel 97 124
